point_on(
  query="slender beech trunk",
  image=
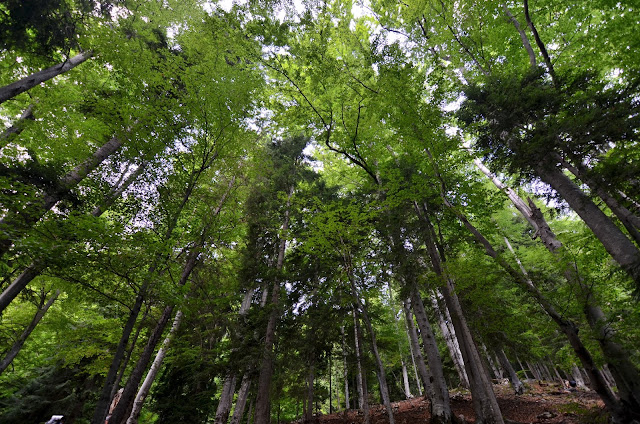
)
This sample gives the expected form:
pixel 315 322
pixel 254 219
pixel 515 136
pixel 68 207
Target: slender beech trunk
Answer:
pixel 309 400
pixel 15 129
pixel 226 397
pixel 363 393
pixel 415 349
pixel 440 403
pixel 405 380
pixel 497 372
pixel 153 371
pixel 449 334
pixel 36 268
pixel 27 83
pixel 15 223
pixel 405 374
pixel 345 369
pixel 621 249
pixel 17 345
pixel 516 384
pixel 524 370
pixel 484 399
pixel 381 373
pixel 577 377
pixel 241 402
pixel 263 401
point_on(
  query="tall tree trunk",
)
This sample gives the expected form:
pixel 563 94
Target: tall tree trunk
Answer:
pixel 621 249
pixel 153 371
pixel 27 83
pixel 382 378
pixel 241 401
pixel 226 398
pixel 36 268
pixel 415 349
pixel 363 393
pixel 516 384
pixel 440 403
pixel 15 129
pixel 449 334
pixel 309 400
pixel 17 345
pixel 484 399
pixel 407 313
pixel 405 380
pixel 263 401
pixel 345 370
pixel 15 223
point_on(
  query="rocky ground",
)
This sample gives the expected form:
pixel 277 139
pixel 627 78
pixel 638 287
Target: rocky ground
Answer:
pixel 546 404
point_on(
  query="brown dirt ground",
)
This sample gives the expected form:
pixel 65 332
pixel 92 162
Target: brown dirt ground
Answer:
pixel 541 404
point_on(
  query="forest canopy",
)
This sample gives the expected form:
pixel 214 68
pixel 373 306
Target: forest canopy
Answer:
pixel 262 211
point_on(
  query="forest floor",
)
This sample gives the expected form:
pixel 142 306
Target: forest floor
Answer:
pixel 546 404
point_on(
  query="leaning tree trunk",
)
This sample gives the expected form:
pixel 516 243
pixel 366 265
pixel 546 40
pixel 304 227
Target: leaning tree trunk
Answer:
pixel 15 129
pixel 516 384
pixel 440 403
pixel 241 401
pixel 621 249
pixel 17 345
pixel 484 399
pixel 226 398
pixel 36 268
pixel 627 376
pixel 449 334
pixel 27 83
pixel 16 223
pixel 153 371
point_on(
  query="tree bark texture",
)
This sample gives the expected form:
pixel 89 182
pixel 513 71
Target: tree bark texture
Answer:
pixel 226 398
pixel 416 352
pixel 516 384
pixel 345 370
pixel 153 372
pixel 27 83
pixel 241 401
pixel 363 393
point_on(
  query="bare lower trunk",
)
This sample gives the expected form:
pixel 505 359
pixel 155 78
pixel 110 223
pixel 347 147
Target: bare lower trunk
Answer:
pixel 309 401
pixel 226 398
pixel 415 349
pixel 241 401
pixel 27 83
pixel 15 129
pixel 440 403
pixel 516 384
pixel 363 393
pixel 405 380
pixel 345 370
pixel 17 345
pixel 449 334
pixel 153 372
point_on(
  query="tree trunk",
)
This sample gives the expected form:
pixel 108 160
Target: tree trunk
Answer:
pixel 153 371
pixel 36 268
pixel 309 401
pixel 621 249
pixel 241 401
pixel 345 370
pixel 440 403
pixel 484 399
pixel 405 380
pixel 15 129
pixel 263 401
pixel 11 90
pixel 226 398
pixel 14 224
pixel 415 349
pixel 449 334
pixel 363 393
pixel 516 384
pixel 17 345
pixel 524 370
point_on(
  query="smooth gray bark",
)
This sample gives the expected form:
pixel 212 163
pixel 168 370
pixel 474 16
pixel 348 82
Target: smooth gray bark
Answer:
pixel 241 401
pixel 516 384
pixel 345 369
pixel 11 90
pixel 226 398
pixel 361 379
pixel 416 352
pixel 153 371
